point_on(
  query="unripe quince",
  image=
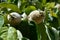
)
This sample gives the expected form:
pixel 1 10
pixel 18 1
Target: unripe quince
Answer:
pixel 36 16
pixel 14 18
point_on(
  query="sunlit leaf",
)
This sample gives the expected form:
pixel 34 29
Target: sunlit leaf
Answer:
pixel 11 6
pixel 29 9
pixel 3 32
pixel 53 14
pixel 50 5
pixel 43 1
pixel 10 1
pixel 19 35
pixel 12 34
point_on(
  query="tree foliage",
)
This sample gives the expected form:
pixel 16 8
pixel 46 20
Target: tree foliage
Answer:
pixel 49 29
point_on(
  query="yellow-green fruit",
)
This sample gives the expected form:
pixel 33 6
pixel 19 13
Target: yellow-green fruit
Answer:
pixel 14 18
pixel 36 16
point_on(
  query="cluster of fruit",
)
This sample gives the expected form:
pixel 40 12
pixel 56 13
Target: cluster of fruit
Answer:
pixel 15 18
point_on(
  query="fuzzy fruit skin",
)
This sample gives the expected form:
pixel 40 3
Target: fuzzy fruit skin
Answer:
pixel 36 16
pixel 14 18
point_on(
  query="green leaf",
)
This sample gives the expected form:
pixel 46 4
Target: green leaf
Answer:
pixel 5 19
pixel 11 6
pixel 41 32
pixel 1 20
pixel 56 33
pixel 12 34
pixel 16 2
pixel 43 1
pixel 10 1
pixel 46 16
pixel 58 14
pixel 50 5
pixel 29 9
pixel 58 1
pixel 19 34
pixel 3 32
pixel 1 38
pixel 54 23
pixel 52 31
